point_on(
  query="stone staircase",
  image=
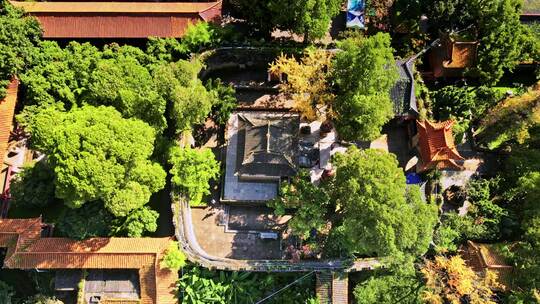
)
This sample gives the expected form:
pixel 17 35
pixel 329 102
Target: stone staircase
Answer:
pixel 332 287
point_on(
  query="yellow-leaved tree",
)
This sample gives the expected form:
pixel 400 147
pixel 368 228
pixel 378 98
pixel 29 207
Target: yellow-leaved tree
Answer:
pixel 450 280
pixel 307 82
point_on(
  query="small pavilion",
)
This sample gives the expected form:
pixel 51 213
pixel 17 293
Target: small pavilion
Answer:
pixel 435 143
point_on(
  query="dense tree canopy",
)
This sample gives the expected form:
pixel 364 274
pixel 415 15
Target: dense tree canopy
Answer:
pixel 312 203
pixel 59 74
pixel 192 170
pixel 97 155
pixel 225 102
pixel 90 220
pixel 367 202
pixel 307 82
pixel 380 216
pixel 42 299
pixel 190 102
pixel 494 23
pixel 528 258
pixel 19 35
pixel 450 280
pixel 127 85
pixel 138 222
pixel 403 288
pixel 308 18
pixel 6 292
pixel 33 186
pixel 364 72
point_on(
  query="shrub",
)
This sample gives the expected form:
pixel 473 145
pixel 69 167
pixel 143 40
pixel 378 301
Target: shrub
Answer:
pixel 174 259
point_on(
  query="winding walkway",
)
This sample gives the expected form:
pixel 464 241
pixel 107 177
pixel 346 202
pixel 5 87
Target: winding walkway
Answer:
pixel 188 242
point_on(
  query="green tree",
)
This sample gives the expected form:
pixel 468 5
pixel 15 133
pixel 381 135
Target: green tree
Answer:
pixel 59 75
pixel 495 25
pixel 33 186
pixel 225 101
pixel 312 204
pixel 189 101
pixel 82 74
pixel 380 217
pixel 199 36
pixel 6 292
pixel 364 73
pixel 97 155
pixel 42 299
pixel 403 288
pixel 368 205
pixel 91 220
pixel 192 171
pixel 308 18
pixel 165 49
pixel 19 35
pixel 138 222
pixel 528 257
pixel 174 259
pixel 128 86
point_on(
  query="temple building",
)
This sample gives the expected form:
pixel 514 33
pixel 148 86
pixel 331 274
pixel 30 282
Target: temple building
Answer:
pixel 262 150
pixel 73 20
pixel 453 56
pixel 117 270
pixel 435 144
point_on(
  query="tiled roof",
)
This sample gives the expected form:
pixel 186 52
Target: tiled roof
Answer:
pixel 462 55
pixel 482 257
pixel 531 7
pixel 100 245
pixel 267 144
pixel 451 58
pixel 436 145
pixel 119 19
pixel 27 250
pixel 7 111
pixel 402 93
pixel 115 7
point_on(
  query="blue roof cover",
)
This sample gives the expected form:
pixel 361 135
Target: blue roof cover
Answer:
pixel 413 179
pixel 355 14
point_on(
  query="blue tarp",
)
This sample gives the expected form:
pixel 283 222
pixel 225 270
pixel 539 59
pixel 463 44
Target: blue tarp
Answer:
pixel 413 179
pixel 355 13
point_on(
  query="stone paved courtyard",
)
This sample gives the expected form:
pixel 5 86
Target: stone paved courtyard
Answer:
pixel 210 230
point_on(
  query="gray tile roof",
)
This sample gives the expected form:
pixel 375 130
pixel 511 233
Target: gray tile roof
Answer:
pixel 402 94
pixel 267 144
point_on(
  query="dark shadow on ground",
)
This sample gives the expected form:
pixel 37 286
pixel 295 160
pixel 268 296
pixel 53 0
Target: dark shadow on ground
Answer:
pixel 338 25
pixel 398 142
pixel 161 202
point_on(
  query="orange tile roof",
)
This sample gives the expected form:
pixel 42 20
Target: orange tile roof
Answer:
pixel 451 58
pixel 483 257
pixel 100 245
pixel 436 145
pixel 115 7
pixel 119 19
pixel 7 111
pixel 463 55
pixel 29 251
